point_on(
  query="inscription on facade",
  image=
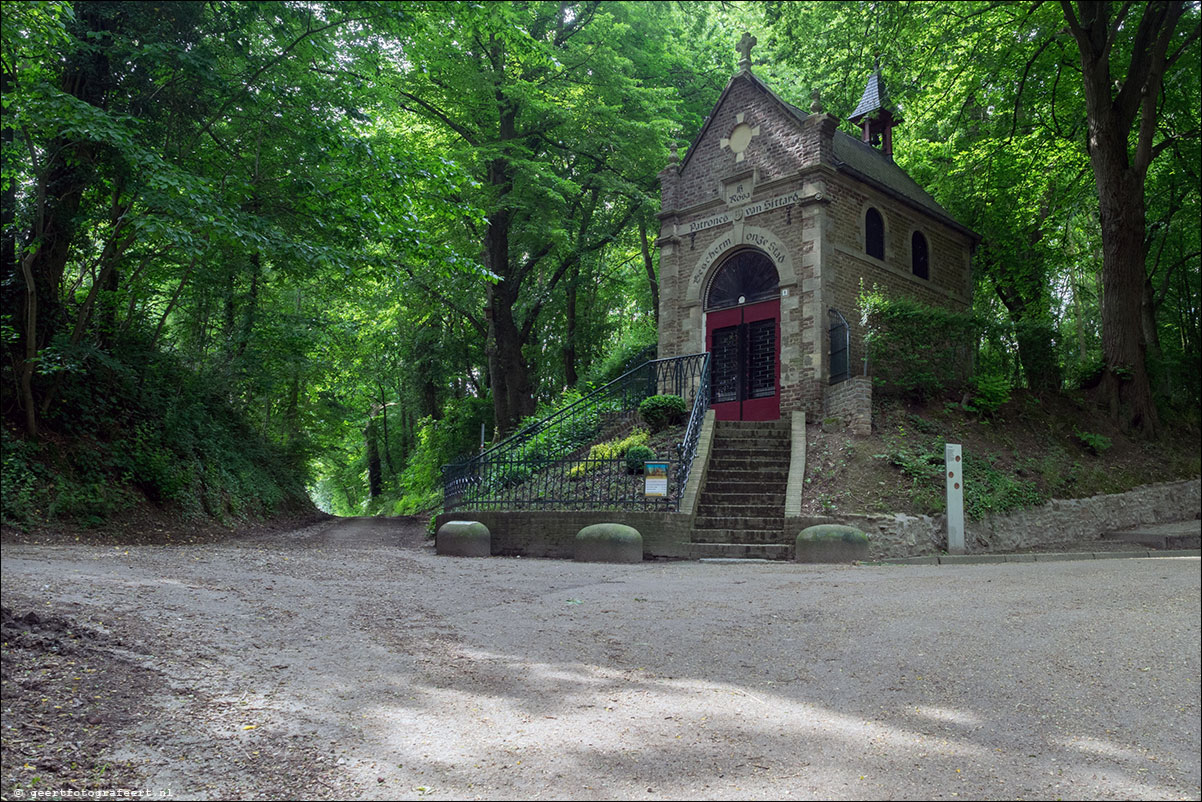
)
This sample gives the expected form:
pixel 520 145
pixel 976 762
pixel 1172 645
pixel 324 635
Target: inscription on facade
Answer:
pixel 709 222
pixel 740 194
pixel 713 252
pixel 747 211
pixel 772 246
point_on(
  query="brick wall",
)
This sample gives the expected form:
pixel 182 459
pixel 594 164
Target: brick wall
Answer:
pixel 544 533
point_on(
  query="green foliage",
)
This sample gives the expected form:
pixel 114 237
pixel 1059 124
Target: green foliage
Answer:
pixel 662 411
pixel 141 427
pixel 610 449
pixel 989 394
pixel 22 496
pixel 292 219
pixel 1096 443
pixel 632 347
pixel 636 456
pixel 915 349
pixel 988 489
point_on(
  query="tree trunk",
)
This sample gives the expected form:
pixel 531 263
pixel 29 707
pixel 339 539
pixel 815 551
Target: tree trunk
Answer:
pixel 649 266
pixel 1126 385
pixel 374 480
pixel 569 344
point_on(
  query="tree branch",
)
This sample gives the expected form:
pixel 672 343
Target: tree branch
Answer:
pixel 442 116
pixel 477 324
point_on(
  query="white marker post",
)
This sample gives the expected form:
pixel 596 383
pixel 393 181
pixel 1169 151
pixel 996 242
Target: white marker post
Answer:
pixel 954 463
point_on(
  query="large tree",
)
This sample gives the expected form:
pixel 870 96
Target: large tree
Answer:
pixel 1123 65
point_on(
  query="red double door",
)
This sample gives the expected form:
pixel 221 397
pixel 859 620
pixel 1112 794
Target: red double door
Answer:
pixel 744 346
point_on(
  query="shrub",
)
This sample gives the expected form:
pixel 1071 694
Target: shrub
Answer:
pixel 1096 443
pixel 917 349
pixel 625 352
pixel 661 411
pixel 991 393
pixel 610 449
pixel 635 458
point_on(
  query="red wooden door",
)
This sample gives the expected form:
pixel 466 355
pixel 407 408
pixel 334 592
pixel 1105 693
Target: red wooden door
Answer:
pixel 744 346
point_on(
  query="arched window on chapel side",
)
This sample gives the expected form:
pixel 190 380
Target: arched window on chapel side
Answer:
pixel 874 234
pixel 920 255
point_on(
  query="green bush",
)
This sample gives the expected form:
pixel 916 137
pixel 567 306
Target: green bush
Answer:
pixel 662 411
pixel 610 449
pixel 990 394
pixel 1096 443
pixel 915 349
pixel 631 349
pixel 635 458
pixel 21 492
pixel 133 423
pixel 987 488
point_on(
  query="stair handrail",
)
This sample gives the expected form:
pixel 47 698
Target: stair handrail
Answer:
pixel 692 433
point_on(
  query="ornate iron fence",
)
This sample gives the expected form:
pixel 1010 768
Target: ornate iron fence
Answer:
pixel 692 433
pixel 546 464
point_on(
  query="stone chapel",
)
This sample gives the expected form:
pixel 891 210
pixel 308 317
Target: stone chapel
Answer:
pixel 770 225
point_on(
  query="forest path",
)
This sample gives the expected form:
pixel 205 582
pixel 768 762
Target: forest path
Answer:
pixel 346 659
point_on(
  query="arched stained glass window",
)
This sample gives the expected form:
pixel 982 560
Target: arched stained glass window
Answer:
pixel 745 278
pixel 920 255
pixel 874 234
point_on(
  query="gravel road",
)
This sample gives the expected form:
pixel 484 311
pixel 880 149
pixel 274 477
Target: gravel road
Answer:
pixel 346 659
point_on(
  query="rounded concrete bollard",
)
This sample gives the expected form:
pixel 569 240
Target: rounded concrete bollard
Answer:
pixel 463 539
pixel 609 543
pixel 830 543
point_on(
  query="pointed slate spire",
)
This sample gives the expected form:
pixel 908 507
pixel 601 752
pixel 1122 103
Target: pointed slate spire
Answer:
pixel 875 95
pixel 874 113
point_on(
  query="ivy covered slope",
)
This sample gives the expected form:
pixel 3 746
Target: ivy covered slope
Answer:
pixel 138 441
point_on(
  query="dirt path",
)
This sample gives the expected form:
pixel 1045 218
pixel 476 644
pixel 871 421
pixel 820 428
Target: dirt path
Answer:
pixel 347 660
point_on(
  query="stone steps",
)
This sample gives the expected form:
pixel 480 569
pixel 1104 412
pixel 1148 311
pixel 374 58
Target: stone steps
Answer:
pixel 739 513
pixel 738 536
pixel 744 498
pixel 736 522
pixel 774 465
pixel 740 551
pixel 755 485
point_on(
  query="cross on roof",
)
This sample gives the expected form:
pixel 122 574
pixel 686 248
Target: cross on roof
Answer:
pixel 744 47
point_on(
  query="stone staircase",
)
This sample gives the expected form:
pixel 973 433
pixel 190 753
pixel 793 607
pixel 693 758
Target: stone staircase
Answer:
pixel 741 508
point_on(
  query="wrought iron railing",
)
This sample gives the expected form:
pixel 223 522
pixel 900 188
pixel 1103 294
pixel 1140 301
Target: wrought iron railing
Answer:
pixel 568 484
pixel 692 433
pixel 546 464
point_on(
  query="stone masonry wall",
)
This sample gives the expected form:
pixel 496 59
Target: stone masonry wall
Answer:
pixel 851 401
pixel 1060 521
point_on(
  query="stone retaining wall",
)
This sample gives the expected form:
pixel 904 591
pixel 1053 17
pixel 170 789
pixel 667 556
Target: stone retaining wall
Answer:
pixel 666 534
pixel 1060 521
pixel 851 402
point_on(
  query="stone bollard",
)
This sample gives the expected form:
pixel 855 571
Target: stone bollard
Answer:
pixel 463 539
pixel 609 543
pixel 831 543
